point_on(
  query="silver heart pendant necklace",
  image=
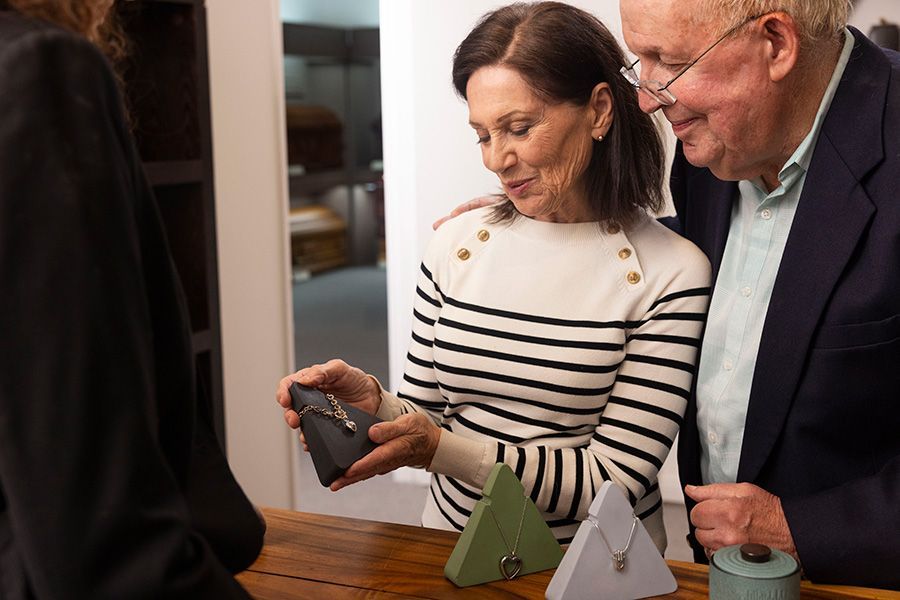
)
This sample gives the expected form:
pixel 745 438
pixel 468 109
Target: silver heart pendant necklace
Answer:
pixel 511 562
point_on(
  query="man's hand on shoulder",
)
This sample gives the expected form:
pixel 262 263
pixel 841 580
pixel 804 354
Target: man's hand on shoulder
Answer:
pixel 466 207
pixel 738 513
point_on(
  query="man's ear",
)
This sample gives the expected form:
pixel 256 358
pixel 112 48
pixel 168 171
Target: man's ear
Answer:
pixel 601 113
pixel 782 39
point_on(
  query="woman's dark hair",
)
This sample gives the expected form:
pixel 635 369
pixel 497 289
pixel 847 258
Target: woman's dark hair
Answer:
pixel 563 53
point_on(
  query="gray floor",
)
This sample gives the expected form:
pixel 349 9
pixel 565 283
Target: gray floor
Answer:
pixel 343 314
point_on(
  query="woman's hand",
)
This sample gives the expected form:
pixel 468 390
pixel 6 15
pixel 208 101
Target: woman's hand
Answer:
pixel 348 384
pixel 408 441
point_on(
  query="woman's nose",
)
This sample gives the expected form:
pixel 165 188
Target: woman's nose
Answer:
pixel 498 157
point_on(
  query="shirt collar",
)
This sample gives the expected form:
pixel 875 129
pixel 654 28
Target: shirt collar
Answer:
pixel 799 161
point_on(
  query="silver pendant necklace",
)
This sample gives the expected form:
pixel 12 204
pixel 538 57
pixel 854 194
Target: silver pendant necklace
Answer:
pixel 511 563
pixel 338 413
pixel 618 556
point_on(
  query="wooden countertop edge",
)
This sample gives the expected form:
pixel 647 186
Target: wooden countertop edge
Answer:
pixel 685 572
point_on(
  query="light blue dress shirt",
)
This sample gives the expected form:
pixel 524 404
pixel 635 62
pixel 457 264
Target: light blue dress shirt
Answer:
pixel 760 224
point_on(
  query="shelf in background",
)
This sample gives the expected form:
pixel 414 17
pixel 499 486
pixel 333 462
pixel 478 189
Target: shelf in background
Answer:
pixel 322 181
pixel 166 80
pixel 176 172
pixel 343 45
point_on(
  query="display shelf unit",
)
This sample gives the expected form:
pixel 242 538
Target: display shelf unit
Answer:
pixel 319 182
pixel 341 45
pixel 166 80
pixel 344 48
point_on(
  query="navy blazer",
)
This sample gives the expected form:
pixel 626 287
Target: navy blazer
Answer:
pixel 823 425
pixel 112 484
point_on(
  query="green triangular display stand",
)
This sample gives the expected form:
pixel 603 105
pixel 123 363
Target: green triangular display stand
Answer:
pixel 477 555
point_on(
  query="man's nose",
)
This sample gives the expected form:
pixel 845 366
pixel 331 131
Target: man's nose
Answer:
pixel 647 103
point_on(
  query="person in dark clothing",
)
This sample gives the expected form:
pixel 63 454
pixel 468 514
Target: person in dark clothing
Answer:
pixel 112 484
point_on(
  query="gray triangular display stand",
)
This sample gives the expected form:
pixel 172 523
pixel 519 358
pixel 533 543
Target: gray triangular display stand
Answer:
pixel 588 571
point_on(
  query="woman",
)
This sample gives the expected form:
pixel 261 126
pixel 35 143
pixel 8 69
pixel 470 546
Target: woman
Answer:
pixel 556 333
pixel 110 487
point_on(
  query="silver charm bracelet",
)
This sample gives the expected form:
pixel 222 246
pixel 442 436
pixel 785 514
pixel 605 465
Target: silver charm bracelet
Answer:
pixel 338 413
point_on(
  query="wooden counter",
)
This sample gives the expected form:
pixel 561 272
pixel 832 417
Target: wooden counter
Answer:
pixel 323 557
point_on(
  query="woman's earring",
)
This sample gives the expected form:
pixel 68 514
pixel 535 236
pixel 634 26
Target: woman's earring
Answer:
pixel 599 138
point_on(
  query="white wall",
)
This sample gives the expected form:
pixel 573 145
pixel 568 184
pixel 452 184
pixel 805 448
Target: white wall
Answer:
pixel 867 13
pixel 247 88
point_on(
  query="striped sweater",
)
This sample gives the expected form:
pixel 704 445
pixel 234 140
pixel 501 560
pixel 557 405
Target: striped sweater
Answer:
pixel 563 350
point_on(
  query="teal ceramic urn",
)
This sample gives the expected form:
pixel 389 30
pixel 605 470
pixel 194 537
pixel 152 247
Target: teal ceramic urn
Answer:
pixel 753 572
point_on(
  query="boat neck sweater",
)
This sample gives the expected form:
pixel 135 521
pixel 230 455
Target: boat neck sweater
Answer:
pixel 565 350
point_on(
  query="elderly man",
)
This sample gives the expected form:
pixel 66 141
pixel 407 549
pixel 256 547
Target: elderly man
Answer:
pixel 786 175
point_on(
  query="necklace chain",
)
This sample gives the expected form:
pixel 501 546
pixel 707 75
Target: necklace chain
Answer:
pixel 510 563
pixel 515 548
pixel 618 556
pixel 338 413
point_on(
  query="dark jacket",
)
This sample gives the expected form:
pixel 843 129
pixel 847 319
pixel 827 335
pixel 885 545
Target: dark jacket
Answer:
pixel 823 426
pixel 112 484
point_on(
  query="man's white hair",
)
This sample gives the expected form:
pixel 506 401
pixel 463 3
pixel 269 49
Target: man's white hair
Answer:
pixel 817 20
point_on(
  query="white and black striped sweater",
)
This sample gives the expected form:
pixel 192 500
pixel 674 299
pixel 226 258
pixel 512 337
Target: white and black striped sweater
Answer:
pixel 564 350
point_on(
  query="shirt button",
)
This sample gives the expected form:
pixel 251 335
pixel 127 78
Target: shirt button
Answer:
pixel 766 214
pixel 727 364
pixel 613 229
pixel 484 235
pixel 463 254
pixel 746 291
pixel 624 253
pixel 713 438
pixel 633 277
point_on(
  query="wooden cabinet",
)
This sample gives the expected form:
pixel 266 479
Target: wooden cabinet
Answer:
pixel 167 92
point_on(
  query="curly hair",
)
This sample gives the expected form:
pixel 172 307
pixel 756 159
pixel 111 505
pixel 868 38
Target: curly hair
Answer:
pixel 93 19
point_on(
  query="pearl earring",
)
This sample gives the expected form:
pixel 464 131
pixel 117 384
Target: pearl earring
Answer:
pixel 599 138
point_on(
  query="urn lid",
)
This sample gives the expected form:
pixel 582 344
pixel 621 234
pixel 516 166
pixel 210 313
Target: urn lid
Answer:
pixel 754 561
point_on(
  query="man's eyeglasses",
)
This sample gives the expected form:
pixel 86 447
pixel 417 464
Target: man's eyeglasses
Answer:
pixel 658 91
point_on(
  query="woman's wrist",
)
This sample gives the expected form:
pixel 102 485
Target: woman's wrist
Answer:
pixel 467 460
pixel 375 393
pixel 434 440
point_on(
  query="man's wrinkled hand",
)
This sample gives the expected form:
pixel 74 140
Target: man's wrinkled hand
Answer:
pixel 737 513
pixel 466 207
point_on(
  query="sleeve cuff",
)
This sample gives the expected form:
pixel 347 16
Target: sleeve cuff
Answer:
pixel 463 459
pixel 390 407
